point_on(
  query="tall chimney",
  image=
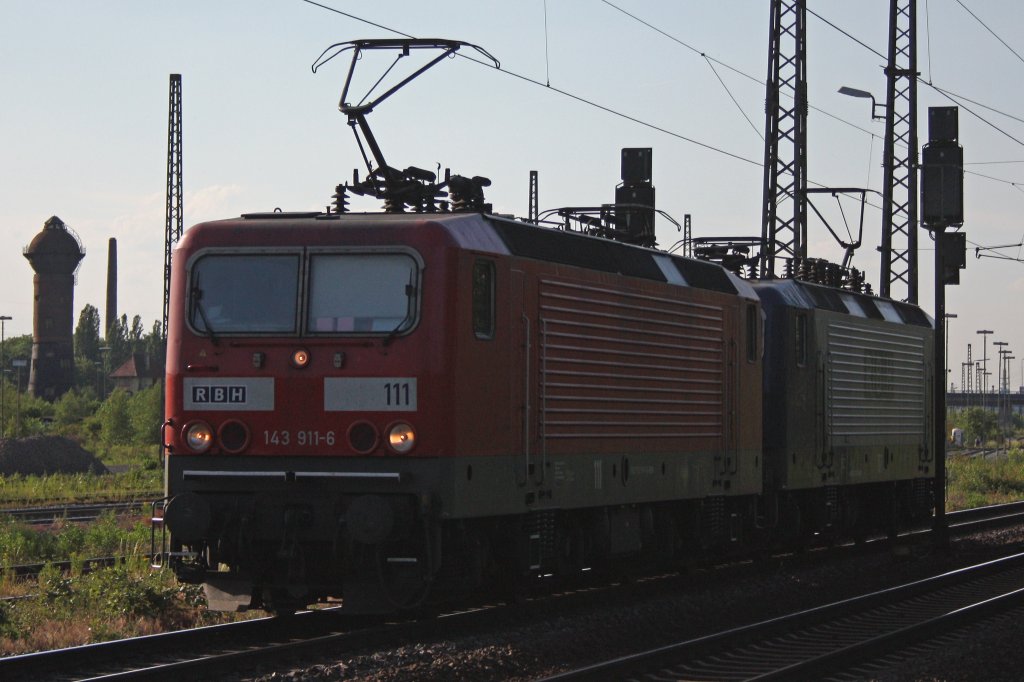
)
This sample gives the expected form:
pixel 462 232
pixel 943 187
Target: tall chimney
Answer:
pixel 111 285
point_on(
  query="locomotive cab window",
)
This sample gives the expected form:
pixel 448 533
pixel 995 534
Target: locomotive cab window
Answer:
pixel 483 299
pixel 356 293
pixel 235 293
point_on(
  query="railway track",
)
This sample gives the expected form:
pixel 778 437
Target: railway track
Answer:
pixel 960 522
pixel 70 512
pixel 823 641
pixel 229 647
pixel 216 651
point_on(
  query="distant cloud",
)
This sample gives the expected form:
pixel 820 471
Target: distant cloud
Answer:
pixel 213 202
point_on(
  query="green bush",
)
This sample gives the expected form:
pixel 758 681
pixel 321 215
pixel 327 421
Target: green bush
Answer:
pixel 21 544
pixel 124 590
pixel 115 421
pixel 145 412
pixel 977 481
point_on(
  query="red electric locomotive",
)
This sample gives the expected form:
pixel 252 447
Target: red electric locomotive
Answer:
pixel 366 406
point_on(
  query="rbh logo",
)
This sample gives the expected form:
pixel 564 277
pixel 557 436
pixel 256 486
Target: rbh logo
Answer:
pixel 218 394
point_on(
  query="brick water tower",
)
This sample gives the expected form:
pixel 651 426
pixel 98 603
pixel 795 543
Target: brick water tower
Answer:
pixel 54 254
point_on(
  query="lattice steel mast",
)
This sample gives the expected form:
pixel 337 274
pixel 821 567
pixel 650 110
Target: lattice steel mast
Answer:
pixel 784 216
pixel 899 214
pixel 174 188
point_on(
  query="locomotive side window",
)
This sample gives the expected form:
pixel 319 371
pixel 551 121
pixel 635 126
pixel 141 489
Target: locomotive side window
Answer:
pixel 244 293
pixel 751 333
pixel 801 340
pixel 361 293
pixel 483 299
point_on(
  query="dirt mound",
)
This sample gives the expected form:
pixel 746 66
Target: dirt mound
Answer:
pixel 46 455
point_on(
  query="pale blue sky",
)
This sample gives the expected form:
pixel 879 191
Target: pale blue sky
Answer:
pixel 83 120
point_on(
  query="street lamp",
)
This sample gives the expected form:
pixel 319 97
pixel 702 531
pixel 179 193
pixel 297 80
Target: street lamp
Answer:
pixel 984 359
pixel 3 381
pixel 1006 398
pixel 999 368
pixel 19 364
pixel 1001 353
pixel 854 92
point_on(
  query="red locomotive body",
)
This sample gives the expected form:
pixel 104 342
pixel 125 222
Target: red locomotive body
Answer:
pixel 371 406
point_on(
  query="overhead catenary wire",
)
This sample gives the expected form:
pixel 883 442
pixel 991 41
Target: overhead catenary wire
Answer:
pixel 591 103
pixel 661 129
pixel 987 28
pixel 833 25
pixel 951 96
pixel 713 60
pixel 757 130
pixel 560 91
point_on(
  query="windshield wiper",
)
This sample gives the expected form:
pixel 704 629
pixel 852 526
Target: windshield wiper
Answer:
pixel 197 304
pixel 410 292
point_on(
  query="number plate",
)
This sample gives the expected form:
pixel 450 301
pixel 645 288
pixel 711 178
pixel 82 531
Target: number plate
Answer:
pixel 370 394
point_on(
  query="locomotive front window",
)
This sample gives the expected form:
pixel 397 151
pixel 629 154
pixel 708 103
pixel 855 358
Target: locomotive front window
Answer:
pixel 361 293
pixel 244 293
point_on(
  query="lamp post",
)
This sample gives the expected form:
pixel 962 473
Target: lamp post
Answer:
pixel 983 387
pixel 977 381
pixel 1000 353
pixel 19 364
pixel 1006 397
pixel 854 92
pixel 999 372
pixel 3 381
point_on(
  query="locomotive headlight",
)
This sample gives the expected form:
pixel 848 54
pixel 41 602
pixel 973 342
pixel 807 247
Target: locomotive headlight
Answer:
pixel 198 436
pixel 401 438
pixel 300 358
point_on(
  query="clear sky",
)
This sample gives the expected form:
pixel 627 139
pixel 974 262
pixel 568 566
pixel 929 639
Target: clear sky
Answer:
pixel 83 121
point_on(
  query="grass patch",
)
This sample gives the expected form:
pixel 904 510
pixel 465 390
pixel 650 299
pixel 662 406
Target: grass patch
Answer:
pixel 129 456
pixel 109 535
pixel 123 601
pixel 977 482
pixel 68 609
pixel 18 490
